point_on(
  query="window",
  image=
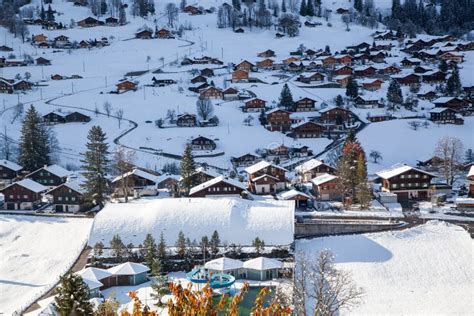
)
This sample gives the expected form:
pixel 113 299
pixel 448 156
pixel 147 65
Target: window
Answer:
pixel 25 196
pixel 402 185
pixel 73 198
pixel 402 176
pixel 409 185
pixel 417 175
pixel 11 196
pixel 425 176
pixel 60 198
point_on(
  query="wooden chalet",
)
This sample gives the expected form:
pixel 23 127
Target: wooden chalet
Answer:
pixel 307 130
pixel 138 181
pixel 342 80
pixel 450 102
pixel 77 117
pixel 23 195
pixel 89 22
pixel 390 70
pixel 344 70
pixel 39 38
pixel 278 120
pixel 211 93
pixel 434 77
pixel 41 61
pixel 363 102
pixel 199 78
pixel 371 85
pixel 453 57
pixel 240 76
pixel 245 160
pixel 111 21
pixel 266 54
pixel 220 186
pixel 254 105
pixel 325 187
pixel 192 10
pixel 365 72
pixel 301 199
pixel 305 105
pixel 6 86
pixel 50 176
pixel 430 95
pixel 126 85
pixel 203 143
pixel 336 115
pixel 186 120
pixel 9 171
pixel 144 34
pixel 265 64
pixel 311 77
pixel 410 62
pixel 68 197
pixel 164 34
pixel 407 182
pixel 207 72
pixel 313 168
pixel 245 66
pixel 446 116
pixel 266 178
pixel 230 94
pixel 408 80
pixel 54 118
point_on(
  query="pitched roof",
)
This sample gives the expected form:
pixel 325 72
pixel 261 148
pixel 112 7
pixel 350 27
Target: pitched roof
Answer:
pixel 57 171
pixel 30 185
pixel 137 172
pixel 92 273
pixel 128 268
pixel 211 182
pixel 92 284
pixel 471 172
pixel 10 165
pixel 223 264
pixel 323 179
pixel 398 169
pixel 292 193
pixel 260 165
pixel 309 165
pixel 263 263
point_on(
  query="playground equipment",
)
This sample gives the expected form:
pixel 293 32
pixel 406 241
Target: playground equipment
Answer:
pixel 216 280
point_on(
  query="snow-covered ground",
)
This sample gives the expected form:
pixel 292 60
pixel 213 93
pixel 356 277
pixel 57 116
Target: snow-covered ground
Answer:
pixel 425 270
pixel 236 220
pixel 399 143
pixel 35 252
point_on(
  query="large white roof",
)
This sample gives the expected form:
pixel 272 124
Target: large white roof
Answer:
pixel 10 165
pixel 92 283
pixel 237 220
pixel 211 182
pixel 323 178
pixel 128 268
pixel 223 264
pixel 471 172
pixel 398 169
pixel 92 273
pixel 292 193
pixel 263 263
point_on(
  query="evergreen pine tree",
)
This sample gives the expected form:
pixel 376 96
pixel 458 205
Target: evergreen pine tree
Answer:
pixel 262 118
pixel 303 9
pixel 453 85
pixel 358 5
pixel 339 101
pixel 395 9
pixel 96 165
pixel 443 66
pixel 468 156
pixel 42 14
pixel 215 242
pixel 151 251
pixel 159 285
pixel 283 6
pixel 161 247
pixel 352 90
pixel 394 92
pixel 310 8
pixel 50 14
pixel 72 296
pixel 181 245
pixel 286 98
pixel 188 168
pixel 236 4
pixel 103 7
pixel 34 142
pixel 122 15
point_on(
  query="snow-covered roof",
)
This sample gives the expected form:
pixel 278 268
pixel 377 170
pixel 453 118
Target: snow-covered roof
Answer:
pixel 439 110
pixel 292 193
pixel 10 165
pixel 443 99
pixel 30 185
pixel 211 182
pixel 263 263
pixel 92 273
pixel 237 220
pixel 398 169
pixel 137 172
pixel 471 172
pixel 92 284
pixel 260 165
pixel 57 171
pixel 128 268
pixel 208 171
pixel 223 264
pixel 308 165
pixel 264 176
pixel 323 178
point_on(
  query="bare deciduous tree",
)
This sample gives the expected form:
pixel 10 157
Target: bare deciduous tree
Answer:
pixel 123 163
pixel 119 115
pixel 320 287
pixel 204 108
pixel 107 108
pixel 172 13
pixel 375 155
pixel 449 150
pixel 414 125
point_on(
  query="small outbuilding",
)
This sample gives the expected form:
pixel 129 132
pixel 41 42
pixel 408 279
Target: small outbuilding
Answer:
pixel 226 265
pixel 129 273
pixel 262 268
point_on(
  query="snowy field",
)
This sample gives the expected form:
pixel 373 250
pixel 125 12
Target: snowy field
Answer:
pixel 425 270
pixel 35 252
pixel 237 221
pixel 398 143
